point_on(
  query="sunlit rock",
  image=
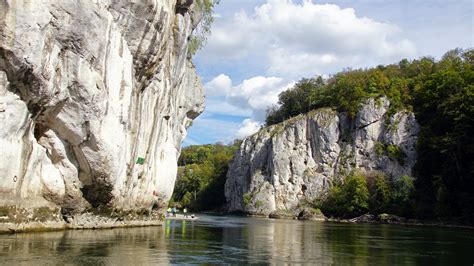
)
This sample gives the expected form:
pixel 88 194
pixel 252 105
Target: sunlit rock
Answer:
pixel 285 166
pixel 95 99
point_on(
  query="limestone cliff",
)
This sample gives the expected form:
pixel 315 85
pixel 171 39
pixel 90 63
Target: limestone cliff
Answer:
pixel 95 99
pixel 286 164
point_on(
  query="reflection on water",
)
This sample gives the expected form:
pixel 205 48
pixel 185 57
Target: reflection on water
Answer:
pixel 219 239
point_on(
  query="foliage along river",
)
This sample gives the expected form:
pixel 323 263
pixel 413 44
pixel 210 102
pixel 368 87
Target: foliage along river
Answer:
pixel 242 240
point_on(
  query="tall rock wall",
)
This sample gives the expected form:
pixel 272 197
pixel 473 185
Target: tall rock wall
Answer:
pixel 88 89
pixel 286 164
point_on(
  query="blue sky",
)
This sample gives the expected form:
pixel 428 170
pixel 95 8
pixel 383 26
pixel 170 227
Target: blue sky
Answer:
pixel 259 48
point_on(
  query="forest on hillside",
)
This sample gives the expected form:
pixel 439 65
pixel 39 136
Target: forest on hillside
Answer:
pixel 201 176
pixel 439 92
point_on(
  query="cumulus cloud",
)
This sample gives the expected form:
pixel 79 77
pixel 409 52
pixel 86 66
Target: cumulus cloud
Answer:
pixel 232 38
pixel 258 93
pixel 283 41
pixel 247 128
pixel 218 86
pixel 248 101
pixel 301 39
pixel 250 98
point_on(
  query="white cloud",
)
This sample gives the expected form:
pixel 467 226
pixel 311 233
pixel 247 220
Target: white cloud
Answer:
pixel 300 38
pixel 248 100
pixel 247 128
pixel 305 39
pixel 232 38
pixel 302 64
pixel 257 93
pixel 219 86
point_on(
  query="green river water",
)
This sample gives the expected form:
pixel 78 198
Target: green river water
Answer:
pixel 243 240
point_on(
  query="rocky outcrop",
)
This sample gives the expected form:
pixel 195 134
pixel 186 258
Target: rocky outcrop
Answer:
pixel 95 99
pixel 286 165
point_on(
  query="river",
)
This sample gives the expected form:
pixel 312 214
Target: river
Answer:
pixel 244 240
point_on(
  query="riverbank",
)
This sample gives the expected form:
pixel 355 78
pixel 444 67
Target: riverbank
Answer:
pixel 381 219
pixel 86 220
pixel 91 221
pixel 406 223
pixel 181 217
pixel 11 228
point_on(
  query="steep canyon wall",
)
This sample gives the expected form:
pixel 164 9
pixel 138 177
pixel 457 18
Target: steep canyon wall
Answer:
pixel 285 165
pixel 95 99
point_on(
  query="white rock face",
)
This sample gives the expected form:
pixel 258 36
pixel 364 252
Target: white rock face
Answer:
pixel 86 89
pixel 286 164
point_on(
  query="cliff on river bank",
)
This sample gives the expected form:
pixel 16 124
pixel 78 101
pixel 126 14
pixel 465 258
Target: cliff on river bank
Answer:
pixel 95 100
pixel 285 166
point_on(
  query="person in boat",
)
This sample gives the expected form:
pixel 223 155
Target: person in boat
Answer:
pixel 173 211
pixel 185 212
pixel 168 211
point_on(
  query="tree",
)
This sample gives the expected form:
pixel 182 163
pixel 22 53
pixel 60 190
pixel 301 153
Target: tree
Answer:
pixel 444 106
pixel 202 174
pixel 296 100
pixel 380 194
pixel 200 34
pixel 440 93
pixel 402 194
pixel 355 190
pixel 349 198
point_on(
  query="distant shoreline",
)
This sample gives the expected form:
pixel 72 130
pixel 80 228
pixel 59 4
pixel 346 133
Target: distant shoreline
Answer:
pixel 181 217
pixel 420 223
pixel 10 228
pixel 442 224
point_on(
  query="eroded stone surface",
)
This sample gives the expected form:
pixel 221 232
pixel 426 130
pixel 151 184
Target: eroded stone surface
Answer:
pixel 87 88
pixel 286 165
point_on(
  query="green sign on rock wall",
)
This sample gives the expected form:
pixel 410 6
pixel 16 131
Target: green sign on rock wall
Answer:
pixel 140 160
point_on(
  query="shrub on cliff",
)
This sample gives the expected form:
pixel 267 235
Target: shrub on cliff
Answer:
pixel 347 199
pixel 200 34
